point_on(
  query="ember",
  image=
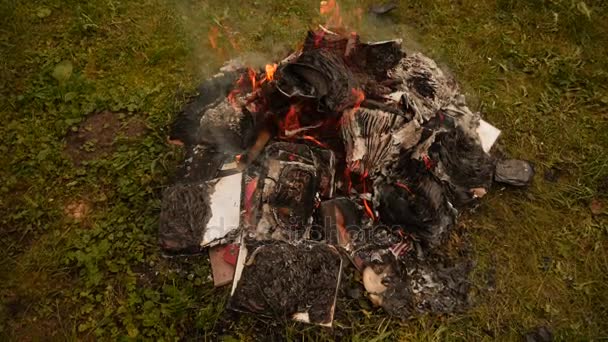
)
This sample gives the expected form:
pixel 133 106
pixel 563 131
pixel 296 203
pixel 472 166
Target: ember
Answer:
pixel 341 136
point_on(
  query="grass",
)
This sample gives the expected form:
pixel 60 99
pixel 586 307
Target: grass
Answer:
pixel 537 69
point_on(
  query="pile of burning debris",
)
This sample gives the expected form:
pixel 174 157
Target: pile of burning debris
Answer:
pixel 343 154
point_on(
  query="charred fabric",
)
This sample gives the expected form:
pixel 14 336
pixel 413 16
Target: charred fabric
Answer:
pixel 343 157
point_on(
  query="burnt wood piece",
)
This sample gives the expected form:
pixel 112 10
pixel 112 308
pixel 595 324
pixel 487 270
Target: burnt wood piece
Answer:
pixel 186 126
pixel 184 214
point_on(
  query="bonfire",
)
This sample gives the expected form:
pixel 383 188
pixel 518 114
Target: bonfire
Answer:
pixel 345 156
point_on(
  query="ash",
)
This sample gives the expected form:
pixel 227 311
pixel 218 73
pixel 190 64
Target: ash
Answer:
pixel 345 146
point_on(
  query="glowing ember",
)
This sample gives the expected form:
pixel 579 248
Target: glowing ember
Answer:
pixel 314 140
pixel 292 119
pixel 343 237
pixel 213 34
pixel 403 186
pixel 318 38
pixel 428 163
pixel 232 99
pixel 359 97
pixel 368 210
pixel 252 76
pixel 249 191
pixel 270 69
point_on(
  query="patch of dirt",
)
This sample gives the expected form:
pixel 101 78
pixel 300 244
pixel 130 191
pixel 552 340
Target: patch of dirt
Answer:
pixel 95 136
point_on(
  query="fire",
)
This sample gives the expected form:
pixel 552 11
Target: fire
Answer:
pixel 318 38
pixel 232 98
pixel 249 191
pixel 428 163
pixel 292 119
pixel 213 34
pixel 327 6
pixel 343 238
pixel 270 70
pixel 368 210
pixel 331 9
pixel 252 76
pixel 359 97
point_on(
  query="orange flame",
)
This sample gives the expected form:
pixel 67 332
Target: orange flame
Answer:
pixel 270 70
pixel 359 97
pixel 213 34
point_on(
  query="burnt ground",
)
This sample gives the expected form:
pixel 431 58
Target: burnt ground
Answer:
pixel 95 137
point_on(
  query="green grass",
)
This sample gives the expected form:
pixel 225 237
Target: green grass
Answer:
pixel 537 69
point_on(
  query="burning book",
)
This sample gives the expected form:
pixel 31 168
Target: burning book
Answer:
pixel 343 146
